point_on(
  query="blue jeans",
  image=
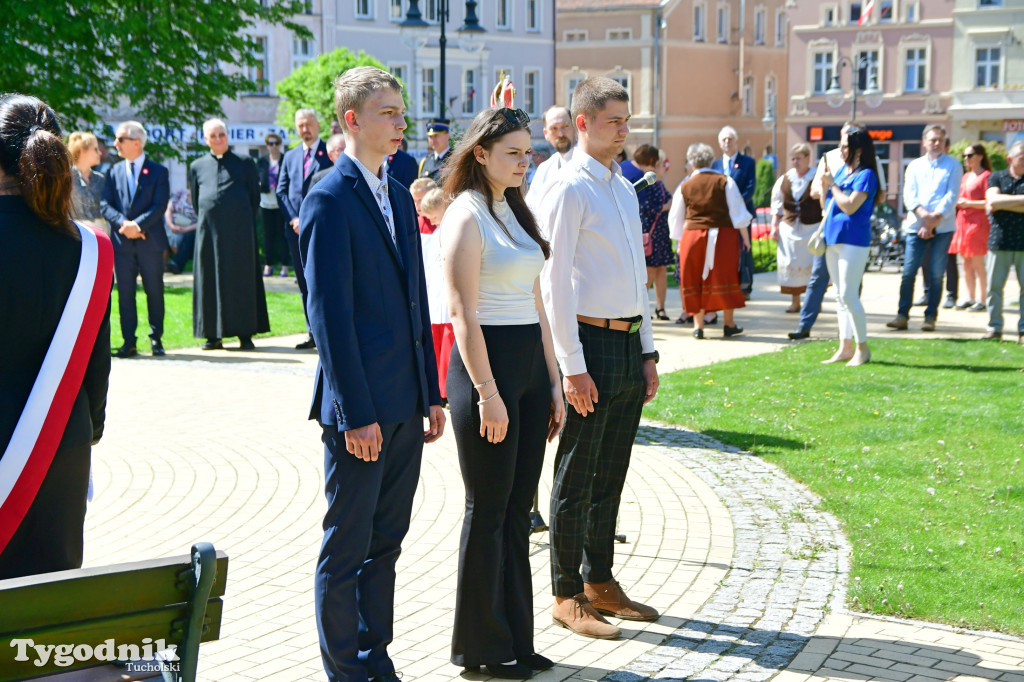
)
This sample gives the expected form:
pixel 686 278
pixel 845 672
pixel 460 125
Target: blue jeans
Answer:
pixel 998 265
pixel 937 249
pixel 815 293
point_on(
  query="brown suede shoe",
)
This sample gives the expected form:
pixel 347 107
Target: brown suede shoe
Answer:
pixel 899 322
pixel 577 614
pixel 608 598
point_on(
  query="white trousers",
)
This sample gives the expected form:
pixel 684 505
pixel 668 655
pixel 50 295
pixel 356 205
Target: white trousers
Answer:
pixel 846 264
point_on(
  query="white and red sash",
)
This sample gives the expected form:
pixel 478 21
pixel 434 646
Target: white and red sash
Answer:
pixel 41 426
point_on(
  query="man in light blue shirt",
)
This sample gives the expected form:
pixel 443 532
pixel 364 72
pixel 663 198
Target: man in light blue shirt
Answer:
pixel 930 189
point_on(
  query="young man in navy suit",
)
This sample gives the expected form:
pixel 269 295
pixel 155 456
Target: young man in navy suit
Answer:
pixel 377 378
pixel 296 177
pixel 134 200
pixel 743 170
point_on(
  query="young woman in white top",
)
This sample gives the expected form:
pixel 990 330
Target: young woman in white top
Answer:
pixel 503 388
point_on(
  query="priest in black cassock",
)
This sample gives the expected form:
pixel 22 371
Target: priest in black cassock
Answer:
pixel 228 297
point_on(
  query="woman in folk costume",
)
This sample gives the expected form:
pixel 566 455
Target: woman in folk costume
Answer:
pixel 795 217
pixel 706 216
pixel 54 345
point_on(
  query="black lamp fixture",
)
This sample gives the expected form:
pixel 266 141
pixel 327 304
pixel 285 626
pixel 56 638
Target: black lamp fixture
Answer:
pixel 872 93
pixel 470 34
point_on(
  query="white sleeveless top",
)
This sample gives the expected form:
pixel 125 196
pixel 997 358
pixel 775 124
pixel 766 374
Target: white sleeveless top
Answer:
pixel 508 267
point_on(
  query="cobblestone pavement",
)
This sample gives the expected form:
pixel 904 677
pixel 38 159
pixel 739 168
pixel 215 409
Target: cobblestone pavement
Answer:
pixel 747 571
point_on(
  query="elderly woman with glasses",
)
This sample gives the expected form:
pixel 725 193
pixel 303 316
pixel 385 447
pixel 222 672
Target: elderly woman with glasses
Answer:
pixel 503 388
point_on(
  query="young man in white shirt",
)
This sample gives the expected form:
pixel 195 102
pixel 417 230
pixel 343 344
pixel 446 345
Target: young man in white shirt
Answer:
pixel 595 295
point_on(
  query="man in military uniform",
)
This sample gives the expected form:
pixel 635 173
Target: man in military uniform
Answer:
pixel 433 162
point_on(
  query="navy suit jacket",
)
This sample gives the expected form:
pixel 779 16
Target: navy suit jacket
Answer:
pixel 146 208
pixel 292 183
pixel 743 172
pixel 367 304
pixel 402 167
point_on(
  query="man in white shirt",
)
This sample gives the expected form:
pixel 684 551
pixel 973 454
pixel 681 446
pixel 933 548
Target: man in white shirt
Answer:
pixel 595 295
pixel 561 135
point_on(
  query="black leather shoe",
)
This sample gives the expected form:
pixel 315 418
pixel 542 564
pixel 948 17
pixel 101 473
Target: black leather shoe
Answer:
pixel 728 331
pixel 245 343
pixel 698 333
pixel 538 662
pixel 157 347
pixel 713 320
pixel 387 677
pixel 126 351
pixel 800 333
pixel 213 344
pixel 516 671
pixel 308 344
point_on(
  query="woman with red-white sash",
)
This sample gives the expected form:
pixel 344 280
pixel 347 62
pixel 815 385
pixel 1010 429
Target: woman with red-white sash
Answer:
pixel 54 345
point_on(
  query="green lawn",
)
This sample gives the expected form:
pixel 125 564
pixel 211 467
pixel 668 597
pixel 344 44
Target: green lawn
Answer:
pixel 918 453
pixel 285 312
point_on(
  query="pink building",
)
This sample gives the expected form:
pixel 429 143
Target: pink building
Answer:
pixel 903 47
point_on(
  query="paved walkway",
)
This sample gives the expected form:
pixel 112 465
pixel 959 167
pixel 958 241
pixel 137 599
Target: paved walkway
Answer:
pixel 747 570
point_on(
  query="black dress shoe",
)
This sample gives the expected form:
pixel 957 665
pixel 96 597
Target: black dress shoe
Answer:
pixel 213 344
pixel 698 333
pixel 731 331
pixel 538 662
pixel 713 320
pixel 308 344
pixel 157 347
pixel 515 671
pixel 245 343
pixel 387 677
pixel 800 333
pixel 126 351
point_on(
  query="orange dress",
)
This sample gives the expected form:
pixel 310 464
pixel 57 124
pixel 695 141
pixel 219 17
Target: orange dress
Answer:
pixel 972 226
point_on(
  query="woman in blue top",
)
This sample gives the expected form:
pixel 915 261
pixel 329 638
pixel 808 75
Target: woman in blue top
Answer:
pixel 849 201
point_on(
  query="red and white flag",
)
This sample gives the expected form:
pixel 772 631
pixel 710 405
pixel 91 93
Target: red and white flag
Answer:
pixel 41 426
pixel 866 12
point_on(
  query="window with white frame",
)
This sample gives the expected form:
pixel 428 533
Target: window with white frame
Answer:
pixel 911 12
pixel 748 96
pixel 574 36
pixel 915 69
pixel 570 87
pixel 364 9
pixel 829 15
pixel 781 27
pixel 855 10
pixel 619 34
pixel 885 12
pixel 303 50
pixel 821 71
pixel 261 71
pixel 428 92
pixel 986 67
pixel 990 3
pixel 503 14
pixel 400 71
pixel 395 10
pixel 723 23
pixel 699 22
pixel 533 15
pixel 531 92
pixel 760 20
pixel 431 11
pixel 621 78
pixel 867 64
pixel 468 91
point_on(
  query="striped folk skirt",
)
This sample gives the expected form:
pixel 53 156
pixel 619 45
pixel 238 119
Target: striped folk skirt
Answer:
pixel 721 289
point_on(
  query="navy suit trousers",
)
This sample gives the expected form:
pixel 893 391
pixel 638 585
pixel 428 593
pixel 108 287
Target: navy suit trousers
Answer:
pixel 369 506
pixel 130 262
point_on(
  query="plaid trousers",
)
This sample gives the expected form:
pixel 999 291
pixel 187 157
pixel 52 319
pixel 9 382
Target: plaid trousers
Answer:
pixel 592 460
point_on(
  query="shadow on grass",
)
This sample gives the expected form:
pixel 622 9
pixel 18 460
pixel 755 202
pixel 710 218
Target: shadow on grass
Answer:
pixel 970 369
pixel 715 439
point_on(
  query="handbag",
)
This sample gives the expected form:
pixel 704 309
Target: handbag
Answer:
pixel 648 244
pixel 816 242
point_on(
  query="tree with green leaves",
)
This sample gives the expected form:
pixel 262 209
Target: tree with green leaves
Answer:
pixel 764 179
pixel 311 86
pixel 168 63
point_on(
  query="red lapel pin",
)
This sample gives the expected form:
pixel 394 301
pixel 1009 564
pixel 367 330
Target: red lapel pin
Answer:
pixel 145 171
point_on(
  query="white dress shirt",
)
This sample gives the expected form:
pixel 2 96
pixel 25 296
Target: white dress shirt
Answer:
pixel 379 190
pixel 597 268
pixel 544 175
pixel 133 179
pixel 738 212
pixel 934 185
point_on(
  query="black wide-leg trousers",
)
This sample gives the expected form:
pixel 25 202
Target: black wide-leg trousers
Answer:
pixel 592 460
pixel 494 603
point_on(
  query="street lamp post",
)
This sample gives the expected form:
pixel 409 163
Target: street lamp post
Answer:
pixel 872 94
pixel 414 27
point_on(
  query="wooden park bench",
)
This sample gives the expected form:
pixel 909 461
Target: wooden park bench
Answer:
pixel 128 606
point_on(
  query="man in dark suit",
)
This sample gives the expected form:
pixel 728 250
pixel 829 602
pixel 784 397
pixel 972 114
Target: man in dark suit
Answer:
pixel 297 170
pixel 335 148
pixel 402 167
pixel 377 378
pixel 134 200
pixel 742 169
pixel 438 136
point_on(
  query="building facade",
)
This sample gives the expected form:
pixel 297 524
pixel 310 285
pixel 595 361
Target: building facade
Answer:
pixel 988 79
pixel 690 66
pixel 903 46
pixel 518 41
